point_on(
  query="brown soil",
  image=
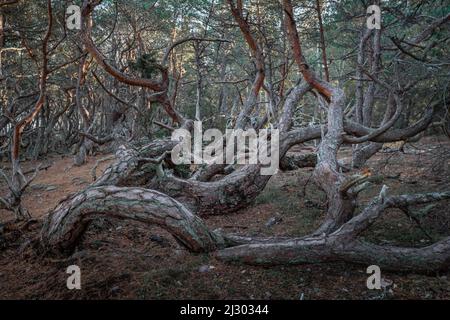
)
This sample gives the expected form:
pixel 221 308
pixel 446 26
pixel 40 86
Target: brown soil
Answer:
pixel 121 260
pixel 53 184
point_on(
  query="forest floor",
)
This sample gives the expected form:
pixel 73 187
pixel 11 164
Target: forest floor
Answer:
pixel 123 260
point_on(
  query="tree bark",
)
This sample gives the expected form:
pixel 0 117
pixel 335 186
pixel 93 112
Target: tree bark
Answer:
pixel 64 225
pixel 343 245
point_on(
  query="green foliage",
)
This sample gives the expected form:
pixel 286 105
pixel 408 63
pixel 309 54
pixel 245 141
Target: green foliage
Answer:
pixel 147 65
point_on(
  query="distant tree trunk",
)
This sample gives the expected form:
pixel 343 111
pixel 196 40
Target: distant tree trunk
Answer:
pixel 242 120
pixel 224 89
pixel 18 180
pixel 363 152
pixel 199 88
pixel 2 39
pixel 80 158
pixel 304 68
pixel 322 41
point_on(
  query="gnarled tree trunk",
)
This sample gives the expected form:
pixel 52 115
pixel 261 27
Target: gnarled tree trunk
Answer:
pixel 343 244
pixel 68 221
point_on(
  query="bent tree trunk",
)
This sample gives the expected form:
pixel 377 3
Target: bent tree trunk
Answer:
pixel 231 193
pixel 327 249
pixel 341 203
pixel 64 226
pixel 343 245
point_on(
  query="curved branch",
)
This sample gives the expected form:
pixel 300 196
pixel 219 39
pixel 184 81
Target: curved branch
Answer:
pixel 375 209
pixel 184 40
pixel 99 141
pixel 307 73
pixel 88 7
pixel 18 129
pixel 160 87
pixel 379 131
pixel 8 2
pixel 357 129
pixel 258 57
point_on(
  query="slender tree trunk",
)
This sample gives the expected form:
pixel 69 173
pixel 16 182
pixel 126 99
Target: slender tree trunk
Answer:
pixel 18 180
pixel 80 158
pixel 322 41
